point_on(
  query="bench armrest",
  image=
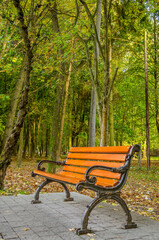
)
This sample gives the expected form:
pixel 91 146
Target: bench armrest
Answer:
pixel 123 169
pixel 92 179
pixel 49 161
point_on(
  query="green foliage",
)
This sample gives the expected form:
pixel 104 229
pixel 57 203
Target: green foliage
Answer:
pixel 127 22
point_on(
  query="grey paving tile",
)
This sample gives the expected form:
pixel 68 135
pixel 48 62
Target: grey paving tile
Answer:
pixel 9 234
pixel 54 218
pixel 55 237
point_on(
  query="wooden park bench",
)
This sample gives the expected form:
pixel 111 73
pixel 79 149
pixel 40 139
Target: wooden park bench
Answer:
pixel 101 169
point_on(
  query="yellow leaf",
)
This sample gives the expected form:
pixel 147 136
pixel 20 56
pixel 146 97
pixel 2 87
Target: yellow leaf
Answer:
pixel 26 229
pixel 114 204
pixel 150 209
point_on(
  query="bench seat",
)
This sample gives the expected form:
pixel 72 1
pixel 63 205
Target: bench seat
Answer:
pixel 69 178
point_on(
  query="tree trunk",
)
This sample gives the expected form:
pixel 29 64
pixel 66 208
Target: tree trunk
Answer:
pixel 14 136
pixel 55 129
pixel 47 140
pixel 14 103
pixel 147 105
pixel 25 140
pixel 64 104
pixel 156 69
pixel 20 151
pixel 111 111
pixel 30 140
pixel 111 115
pixel 104 128
pixel 92 124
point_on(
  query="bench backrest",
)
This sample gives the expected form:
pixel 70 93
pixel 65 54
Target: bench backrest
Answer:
pixel 80 158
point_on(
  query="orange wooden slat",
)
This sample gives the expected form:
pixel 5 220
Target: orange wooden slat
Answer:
pixel 56 176
pixel 100 173
pixel 93 163
pixel 100 181
pixel 108 157
pixel 73 175
pixel 106 182
pixel 74 178
pixel 116 149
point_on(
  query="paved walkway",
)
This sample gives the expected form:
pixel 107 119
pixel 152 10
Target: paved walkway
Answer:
pixel 56 220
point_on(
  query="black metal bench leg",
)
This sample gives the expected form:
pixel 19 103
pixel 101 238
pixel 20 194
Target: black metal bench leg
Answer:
pixel 94 203
pixel 36 196
pixel 129 224
pixel 68 198
pixel 86 214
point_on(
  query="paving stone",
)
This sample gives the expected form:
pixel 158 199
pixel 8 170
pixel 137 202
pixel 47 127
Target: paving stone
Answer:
pixel 55 219
pixel 9 234
pixel 55 237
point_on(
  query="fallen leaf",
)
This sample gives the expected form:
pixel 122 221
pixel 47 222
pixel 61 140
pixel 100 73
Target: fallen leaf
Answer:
pixel 72 229
pixel 114 204
pixel 90 234
pixel 26 229
pixel 150 209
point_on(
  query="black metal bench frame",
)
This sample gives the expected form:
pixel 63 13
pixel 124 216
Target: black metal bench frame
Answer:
pixel 102 193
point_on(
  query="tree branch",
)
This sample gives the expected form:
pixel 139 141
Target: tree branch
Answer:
pixel 94 26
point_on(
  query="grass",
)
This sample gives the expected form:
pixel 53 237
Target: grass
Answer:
pixel 145 175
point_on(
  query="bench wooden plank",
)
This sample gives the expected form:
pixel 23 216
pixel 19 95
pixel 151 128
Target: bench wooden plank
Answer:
pixel 100 173
pixel 57 176
pixel 116 149
pixel 93 156
pixel 100 181
pixel 92 163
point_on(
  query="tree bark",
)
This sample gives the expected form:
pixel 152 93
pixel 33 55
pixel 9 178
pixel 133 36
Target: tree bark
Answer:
pixel 64 104
pixel 156 69
pixel 20 151
pixel 14 102
pixel 104 133
pixel 55 132
pixel 147 105
pixel 111 111
pixel 94 95
pixel 14 136
pixel 111 115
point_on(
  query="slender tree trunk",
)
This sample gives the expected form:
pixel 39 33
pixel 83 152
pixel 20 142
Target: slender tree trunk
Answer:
pixel 55 129
pixel 92 124
pixel 156 69
pixel 29 144
pixel 111 112
pixel 104 128
pixel 111 115
pixel 20 151
pixel 47 140
pixel 37 136
pixel 70 124
pixel 147 105
pixel 64 104
pixel 25 140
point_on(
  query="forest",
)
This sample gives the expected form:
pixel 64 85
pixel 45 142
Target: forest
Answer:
pixel 77 73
